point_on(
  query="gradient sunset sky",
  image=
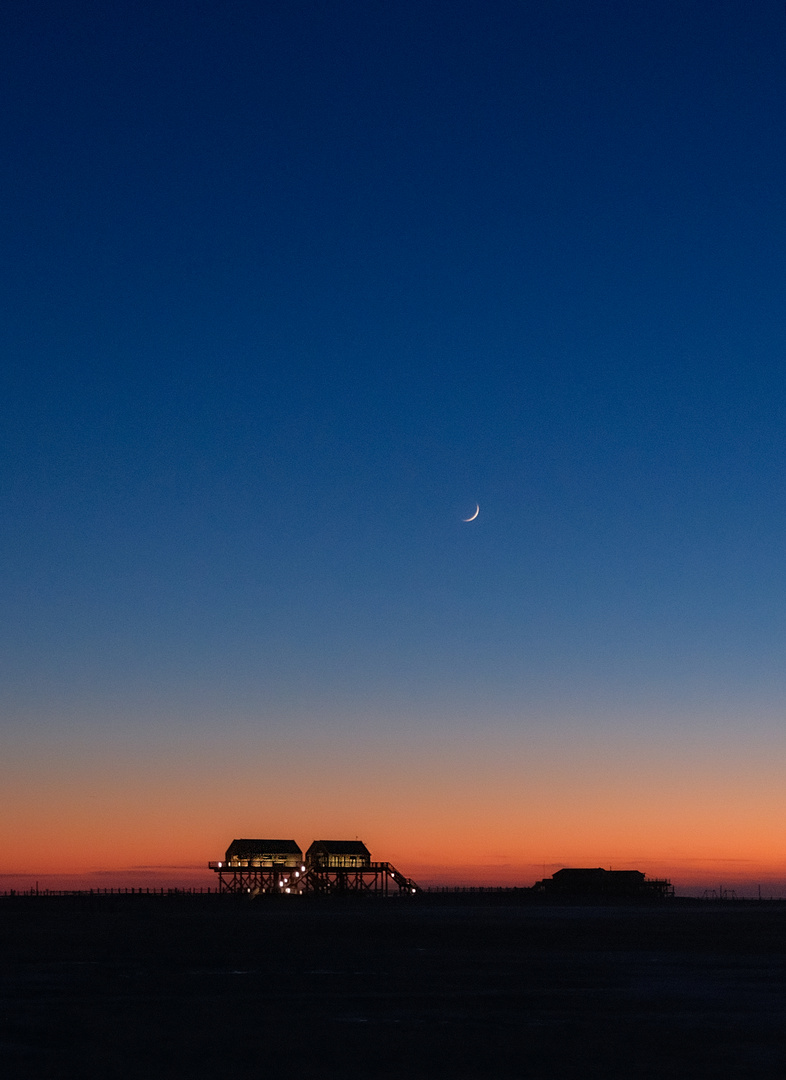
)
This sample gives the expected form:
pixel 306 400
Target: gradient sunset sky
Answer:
pixel 288 290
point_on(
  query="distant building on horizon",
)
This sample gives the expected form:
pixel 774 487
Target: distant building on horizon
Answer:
pixel 597 882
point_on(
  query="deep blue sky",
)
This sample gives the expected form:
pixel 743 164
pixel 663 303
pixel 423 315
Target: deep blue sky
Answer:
pixel 288 288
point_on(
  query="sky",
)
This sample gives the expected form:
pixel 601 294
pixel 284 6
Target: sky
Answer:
pixel 287 291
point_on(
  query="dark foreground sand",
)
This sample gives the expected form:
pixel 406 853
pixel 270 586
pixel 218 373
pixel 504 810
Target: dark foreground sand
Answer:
pixel 212 986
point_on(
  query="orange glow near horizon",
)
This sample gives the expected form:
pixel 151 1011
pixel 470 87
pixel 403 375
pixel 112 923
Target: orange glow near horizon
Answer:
pixel 499 810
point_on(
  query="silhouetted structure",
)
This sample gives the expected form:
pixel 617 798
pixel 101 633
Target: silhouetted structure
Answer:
pixel 344 866
pixel 332 867
pixel 604 884
pixel 260 866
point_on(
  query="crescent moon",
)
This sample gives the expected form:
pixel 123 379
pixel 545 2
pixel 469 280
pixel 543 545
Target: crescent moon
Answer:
pixel 477 511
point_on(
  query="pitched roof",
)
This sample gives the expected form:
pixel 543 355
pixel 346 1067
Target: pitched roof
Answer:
pixel 263 847
pixel 341 847
pixel 596 873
